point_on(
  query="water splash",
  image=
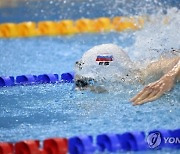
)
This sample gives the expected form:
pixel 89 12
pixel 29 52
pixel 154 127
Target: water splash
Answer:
pixel 159 37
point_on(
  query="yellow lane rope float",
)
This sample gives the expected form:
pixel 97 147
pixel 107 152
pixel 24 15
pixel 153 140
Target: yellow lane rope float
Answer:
pixel 26 29
pixel 70 27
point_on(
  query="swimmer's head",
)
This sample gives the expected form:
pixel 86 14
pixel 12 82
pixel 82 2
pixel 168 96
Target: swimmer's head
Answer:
pixel 103 61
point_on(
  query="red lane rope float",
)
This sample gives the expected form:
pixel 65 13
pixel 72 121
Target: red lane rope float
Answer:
pixel 50 146
pixel 28 147
pixel 56 146
pixel 6 148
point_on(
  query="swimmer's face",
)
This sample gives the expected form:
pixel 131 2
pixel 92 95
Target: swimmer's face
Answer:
pixel 82 82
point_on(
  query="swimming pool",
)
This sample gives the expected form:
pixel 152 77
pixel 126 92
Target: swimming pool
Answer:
pixel 42 111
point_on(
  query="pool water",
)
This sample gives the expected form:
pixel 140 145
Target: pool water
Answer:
pixel 42 111
pixel 50 110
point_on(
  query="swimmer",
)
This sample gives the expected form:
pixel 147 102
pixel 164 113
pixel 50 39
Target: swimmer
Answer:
pixel 110 63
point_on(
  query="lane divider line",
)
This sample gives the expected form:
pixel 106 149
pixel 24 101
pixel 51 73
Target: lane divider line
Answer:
pixel 10 81
pixel 70 27
pixel 111 143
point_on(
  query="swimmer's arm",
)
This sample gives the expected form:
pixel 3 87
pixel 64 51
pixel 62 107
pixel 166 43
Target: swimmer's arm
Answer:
pixel 159 68
pixel 177 71
pixel 156 89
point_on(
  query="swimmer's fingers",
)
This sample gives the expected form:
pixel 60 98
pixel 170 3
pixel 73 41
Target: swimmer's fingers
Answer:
pixel 152 97
pixel 144 96
pixel 137 96
pixel 146 91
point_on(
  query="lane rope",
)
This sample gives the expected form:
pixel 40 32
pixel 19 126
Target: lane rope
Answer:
pixel 111 143
pixel 9 81
pixel 70 27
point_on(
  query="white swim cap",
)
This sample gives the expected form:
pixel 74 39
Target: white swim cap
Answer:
pixel 104 61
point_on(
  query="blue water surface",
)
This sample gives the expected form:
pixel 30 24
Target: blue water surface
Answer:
pixel 51 110
pixel 42 111
pixel 38 10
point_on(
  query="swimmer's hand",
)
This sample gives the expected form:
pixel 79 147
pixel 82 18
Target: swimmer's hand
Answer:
pixel 154 90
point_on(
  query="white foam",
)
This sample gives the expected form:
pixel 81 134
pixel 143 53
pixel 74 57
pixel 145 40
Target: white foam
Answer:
pixel 160 35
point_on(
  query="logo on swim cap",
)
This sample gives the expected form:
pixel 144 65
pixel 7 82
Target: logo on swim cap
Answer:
pixel 104 59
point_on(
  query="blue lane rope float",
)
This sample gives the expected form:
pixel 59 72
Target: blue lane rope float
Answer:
pixel 68 76
pixel 36 79
pixel 7 81
pixel 48 78
pixel 81 144
pixel 129 141
pixel 133 141
pixel 109 142
pixel 26 79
